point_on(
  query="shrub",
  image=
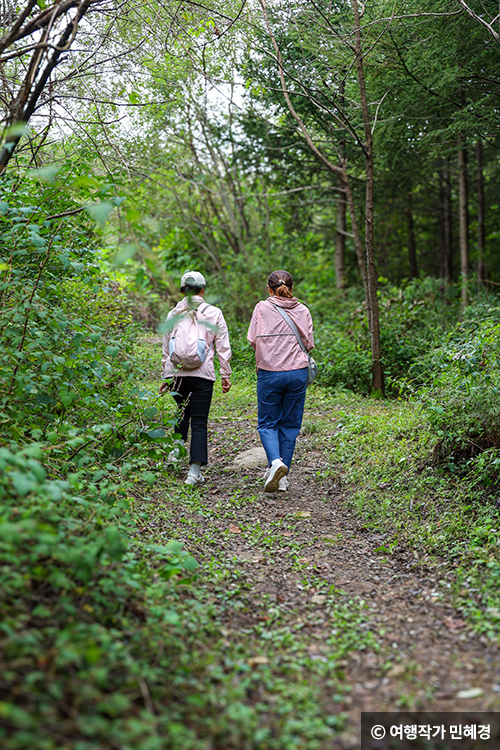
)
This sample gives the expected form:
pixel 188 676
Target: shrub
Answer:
pixel 461 398
pixel 412 320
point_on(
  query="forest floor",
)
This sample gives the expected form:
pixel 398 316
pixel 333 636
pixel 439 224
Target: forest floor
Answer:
pixel 302 576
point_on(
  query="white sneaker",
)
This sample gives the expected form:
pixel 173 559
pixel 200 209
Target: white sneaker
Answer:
pixel 277 470
pixel 283 484
pixel 194 475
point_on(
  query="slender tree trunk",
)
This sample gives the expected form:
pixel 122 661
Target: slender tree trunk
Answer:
pixel 463 220
pixel 445 239
pixel 447 222
pixel 340 276
pixel 377 385
pixel 481 266
pixel 340 279
pixel 412 248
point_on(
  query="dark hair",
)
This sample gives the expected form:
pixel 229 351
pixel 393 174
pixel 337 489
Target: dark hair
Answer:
pixel 187 289
pixel 281 283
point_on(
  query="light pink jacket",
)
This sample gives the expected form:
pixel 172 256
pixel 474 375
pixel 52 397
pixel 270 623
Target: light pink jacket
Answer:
pixel 276 346
pixel 218 337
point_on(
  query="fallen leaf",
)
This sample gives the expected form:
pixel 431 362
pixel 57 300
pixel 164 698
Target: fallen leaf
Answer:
pixel 454 623
pixel 470 693
pixel 302 514
pixel 304 559
pixel 234 529
pixel 287 533
pixel 256 660
pixel 318 599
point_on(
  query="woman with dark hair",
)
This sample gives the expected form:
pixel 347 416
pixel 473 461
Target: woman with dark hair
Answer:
pixel 193 382
pixel 281 374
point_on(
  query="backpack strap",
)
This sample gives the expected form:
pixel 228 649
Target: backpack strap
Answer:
pixel 200 310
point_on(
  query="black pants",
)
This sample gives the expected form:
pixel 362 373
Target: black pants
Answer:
pixel 194 396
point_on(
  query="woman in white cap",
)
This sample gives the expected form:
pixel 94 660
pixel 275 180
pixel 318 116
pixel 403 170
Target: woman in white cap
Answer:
pixel 188 365
pixel 281 373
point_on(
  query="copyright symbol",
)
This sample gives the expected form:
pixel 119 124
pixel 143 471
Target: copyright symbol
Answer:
pixel 378 732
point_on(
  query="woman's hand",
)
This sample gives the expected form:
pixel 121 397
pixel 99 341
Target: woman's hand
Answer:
pixel 226 384
pixel 165 386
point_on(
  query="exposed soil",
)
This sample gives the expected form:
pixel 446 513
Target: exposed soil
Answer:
pixel 433 652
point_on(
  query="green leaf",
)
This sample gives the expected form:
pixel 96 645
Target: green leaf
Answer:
pixel 171 617
pixel 126 252
pixel 99 211
pixel 173 546
pixel 17 130
pixel 22 483
pixel 148 477
pixel 45 174
pixel 9 532
pixel 68 398
pixel 154 434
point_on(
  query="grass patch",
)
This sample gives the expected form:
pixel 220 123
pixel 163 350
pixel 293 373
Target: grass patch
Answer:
pixel 383 452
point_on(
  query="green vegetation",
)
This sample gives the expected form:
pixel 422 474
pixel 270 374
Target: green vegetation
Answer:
pixel 154 142
pixel 386 455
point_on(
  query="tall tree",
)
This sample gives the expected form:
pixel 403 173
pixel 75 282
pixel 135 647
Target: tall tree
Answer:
pixel 313 97
pixel 463 220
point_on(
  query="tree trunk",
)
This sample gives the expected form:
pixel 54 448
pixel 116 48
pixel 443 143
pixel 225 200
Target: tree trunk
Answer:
pixel 340 279
pixel 463 220
pixel 35 82
pixel 340 276
pixel 412 248
pixel 446 225
pixel 377 385
pixel 481 266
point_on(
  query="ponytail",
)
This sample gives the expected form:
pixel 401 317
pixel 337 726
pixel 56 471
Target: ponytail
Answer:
pixel 281 283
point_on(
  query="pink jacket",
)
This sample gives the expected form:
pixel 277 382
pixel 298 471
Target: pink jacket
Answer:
pixel 218 337
pixel 276 346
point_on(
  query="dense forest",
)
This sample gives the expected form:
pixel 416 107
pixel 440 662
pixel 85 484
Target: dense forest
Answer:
pixel 357 146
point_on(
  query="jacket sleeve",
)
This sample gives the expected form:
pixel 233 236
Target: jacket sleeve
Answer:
pixel 252 329
pixel 223 347
pixel 167 368
pixel 310 332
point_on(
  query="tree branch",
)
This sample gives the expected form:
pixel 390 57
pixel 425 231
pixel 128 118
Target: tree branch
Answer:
pixel 488 26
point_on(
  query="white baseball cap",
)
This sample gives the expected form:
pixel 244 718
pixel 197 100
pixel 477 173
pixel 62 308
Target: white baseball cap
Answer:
pixel 193 279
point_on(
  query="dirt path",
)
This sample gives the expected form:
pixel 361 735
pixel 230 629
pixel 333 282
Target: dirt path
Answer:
pixel 289 548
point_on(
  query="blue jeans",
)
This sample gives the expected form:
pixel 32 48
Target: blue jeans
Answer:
pixel 281 397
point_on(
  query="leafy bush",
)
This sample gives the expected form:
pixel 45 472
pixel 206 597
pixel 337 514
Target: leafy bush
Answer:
pixel 462 395
pixel 412 319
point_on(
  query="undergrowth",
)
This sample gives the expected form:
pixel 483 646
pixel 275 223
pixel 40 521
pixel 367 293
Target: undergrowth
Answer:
pixel 110 636
pixel 384 454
